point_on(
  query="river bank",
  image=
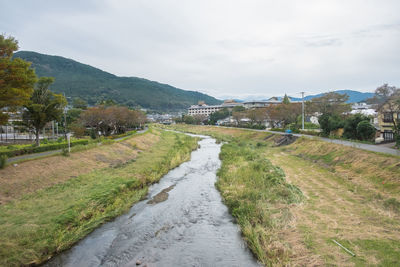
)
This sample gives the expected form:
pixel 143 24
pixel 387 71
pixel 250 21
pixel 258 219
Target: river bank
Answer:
pixel 183 222
pixel 65 204
pixel 349 195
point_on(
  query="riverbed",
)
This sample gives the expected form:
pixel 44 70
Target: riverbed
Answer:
pixel 183 222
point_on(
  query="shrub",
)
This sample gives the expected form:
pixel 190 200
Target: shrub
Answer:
pixel 365 131
pixel 277 129
pixel 350 125
pixel 65 152
pixel 3 161
pixel 29 149
pixel 93 134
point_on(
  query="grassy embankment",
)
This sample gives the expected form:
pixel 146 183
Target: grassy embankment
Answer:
pixel 350 195
pixel 255 191
pixel 49 218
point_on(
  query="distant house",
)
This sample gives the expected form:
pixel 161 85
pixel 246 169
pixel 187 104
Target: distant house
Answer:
pixel 387 114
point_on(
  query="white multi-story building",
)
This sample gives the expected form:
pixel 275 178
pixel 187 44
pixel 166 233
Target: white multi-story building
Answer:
pixel 203 109
pixel 206 110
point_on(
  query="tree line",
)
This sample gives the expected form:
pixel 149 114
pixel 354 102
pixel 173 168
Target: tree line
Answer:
pixel 332 110
pixel 21 90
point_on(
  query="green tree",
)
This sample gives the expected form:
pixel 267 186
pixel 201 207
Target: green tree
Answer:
pixel 365 131
pixel 350 125
pixel 238 109
pixel 16 78
pixel 44 106
pixel 286 99
pixel 218 115
pixel 188 119
pixel 73 115
pixel 79 103
pixel 329 123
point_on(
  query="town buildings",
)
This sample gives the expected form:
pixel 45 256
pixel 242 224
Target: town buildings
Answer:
pixel 388 113
pixel 204 109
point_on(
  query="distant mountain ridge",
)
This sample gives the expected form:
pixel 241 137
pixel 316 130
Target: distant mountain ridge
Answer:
pixel 93 85
pixel 354 96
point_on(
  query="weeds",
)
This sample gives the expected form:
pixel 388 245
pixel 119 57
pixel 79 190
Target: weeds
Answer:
pixel 255 192
pixel 3 161
pixel 65 152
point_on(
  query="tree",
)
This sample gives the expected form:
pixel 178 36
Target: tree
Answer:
pixel 330 123
pixel 330 103
pixel 188 119
pixel 350 125
pixel 218 115
pixel 17 79
pixel 257 115
pixel 238 109
pixel 79 103
pixel 73 115
pixel 238 116
pixel 383 93
pixel 44 106
pixel 283 114
pixel 286 99
pixel 365 131
pixel 111 120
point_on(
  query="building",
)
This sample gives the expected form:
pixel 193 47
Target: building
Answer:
pixel 387 114
pixel 204 109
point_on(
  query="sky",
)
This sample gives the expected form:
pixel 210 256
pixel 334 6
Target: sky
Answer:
pixel 225 48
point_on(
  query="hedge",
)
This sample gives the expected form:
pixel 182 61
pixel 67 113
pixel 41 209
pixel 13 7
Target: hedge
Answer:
pixel 42 148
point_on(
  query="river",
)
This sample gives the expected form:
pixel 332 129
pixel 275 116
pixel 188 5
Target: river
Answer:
pixel 182 223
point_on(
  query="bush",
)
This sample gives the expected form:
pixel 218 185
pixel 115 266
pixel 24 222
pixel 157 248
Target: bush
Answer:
pixel 365 131
pixel 330 123
pixel 3 161
pixel 65 152
pixel 29 149
pixel 277 129
pixel 93 134
pixel 350 125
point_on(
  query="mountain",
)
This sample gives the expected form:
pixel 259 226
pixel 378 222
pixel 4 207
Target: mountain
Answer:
pixel 354 96
pixel 93 85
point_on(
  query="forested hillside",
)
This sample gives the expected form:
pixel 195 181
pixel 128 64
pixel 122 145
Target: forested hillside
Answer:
pixel 94 85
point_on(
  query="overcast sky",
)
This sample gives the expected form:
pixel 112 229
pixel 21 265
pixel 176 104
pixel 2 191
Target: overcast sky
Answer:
pixel 223 48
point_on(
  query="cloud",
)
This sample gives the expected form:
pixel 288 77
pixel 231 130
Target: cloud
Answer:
pixel 221 47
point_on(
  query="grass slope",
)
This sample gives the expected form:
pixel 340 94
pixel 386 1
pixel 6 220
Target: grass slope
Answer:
pixel 40 224
pixel 350 195
pixel 80 80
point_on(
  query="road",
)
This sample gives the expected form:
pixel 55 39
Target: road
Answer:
pixel 374 148
pixel 53 152
pixel 183 222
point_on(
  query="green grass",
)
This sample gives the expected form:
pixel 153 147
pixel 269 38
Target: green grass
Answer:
pixel 48 221
pixel 386 252
pixel 258 196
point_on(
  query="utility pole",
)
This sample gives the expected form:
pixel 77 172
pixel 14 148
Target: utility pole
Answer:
pixel 65 121
pixel 302 110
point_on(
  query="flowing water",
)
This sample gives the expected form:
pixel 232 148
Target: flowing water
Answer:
pixel 182 223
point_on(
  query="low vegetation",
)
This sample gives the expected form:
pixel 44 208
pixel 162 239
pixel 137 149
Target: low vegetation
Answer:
pixel 258 196
pixel 18 150
pixel 347 194
pixel 35 226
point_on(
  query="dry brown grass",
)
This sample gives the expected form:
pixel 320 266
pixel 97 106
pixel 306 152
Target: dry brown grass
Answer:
pixel 33 175
pixel 337 207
